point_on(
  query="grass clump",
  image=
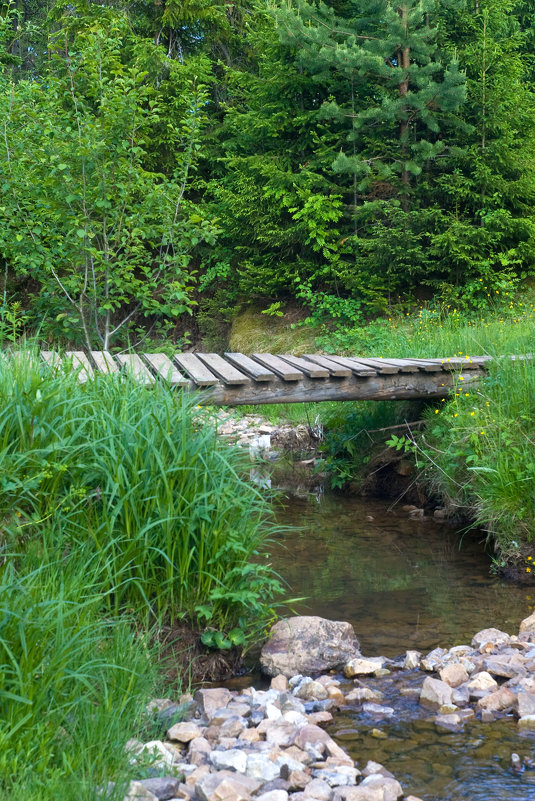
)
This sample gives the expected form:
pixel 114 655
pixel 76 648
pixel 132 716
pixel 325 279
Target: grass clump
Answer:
pixel 121 514
pixel 482 444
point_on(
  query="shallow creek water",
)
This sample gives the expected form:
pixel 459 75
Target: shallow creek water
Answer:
pixel 407 584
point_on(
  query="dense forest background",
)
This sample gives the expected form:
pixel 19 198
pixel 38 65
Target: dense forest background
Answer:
pixel 165 163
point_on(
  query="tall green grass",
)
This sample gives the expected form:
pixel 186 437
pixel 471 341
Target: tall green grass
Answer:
pixel 137 475
pixel 121 512
pixel 482 446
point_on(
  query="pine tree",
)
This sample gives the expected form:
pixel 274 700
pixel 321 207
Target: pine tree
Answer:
pixel 402 94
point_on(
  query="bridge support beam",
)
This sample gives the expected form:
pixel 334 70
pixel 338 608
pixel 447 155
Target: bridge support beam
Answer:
pixel 400 386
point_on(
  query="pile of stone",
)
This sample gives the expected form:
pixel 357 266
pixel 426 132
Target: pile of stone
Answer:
pixel 265 439
pixel 492 677
pixel 269 745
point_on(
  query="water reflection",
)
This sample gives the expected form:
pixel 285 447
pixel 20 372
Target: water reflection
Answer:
pixel 401 583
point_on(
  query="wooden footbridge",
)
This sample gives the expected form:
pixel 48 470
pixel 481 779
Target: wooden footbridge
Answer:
pixel 235 379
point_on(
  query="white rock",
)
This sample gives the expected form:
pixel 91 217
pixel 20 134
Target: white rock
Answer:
pixel 312 691
pixel 273 712
pixel 490 636
pixel 273 795
pixel 528 624
pixel 233 759
pixel 308 645
pixel 259 766
pixel 435 693
pixel 412 660
pixel 392 789
pixel 363 667
pixel 318 789
pixel 339 776
pixel 296 718
pixel 163 754
pixel 184 732
pixel 480 683
pixel 137 792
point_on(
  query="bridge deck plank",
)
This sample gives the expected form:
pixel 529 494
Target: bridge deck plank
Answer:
pixel 250 367
pixel 134 366
pixel 198 371
pixel 356 368
pixel 225 371
pixel 383 366
pixel 81 363
pixel 278 366
pixel 166 370
pixel 310 369
pixel 334 369
pixel 104 361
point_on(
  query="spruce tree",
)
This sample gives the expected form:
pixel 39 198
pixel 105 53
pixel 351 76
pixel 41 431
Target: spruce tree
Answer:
pixel 402 93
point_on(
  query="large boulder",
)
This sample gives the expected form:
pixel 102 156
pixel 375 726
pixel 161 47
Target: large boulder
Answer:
pixel 308 645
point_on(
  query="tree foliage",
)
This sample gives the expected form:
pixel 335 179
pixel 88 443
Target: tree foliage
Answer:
pixel 343 154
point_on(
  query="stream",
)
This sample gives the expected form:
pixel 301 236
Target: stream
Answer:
pixel 406 584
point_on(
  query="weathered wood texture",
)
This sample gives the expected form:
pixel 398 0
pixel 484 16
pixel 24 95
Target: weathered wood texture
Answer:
pixel 235 379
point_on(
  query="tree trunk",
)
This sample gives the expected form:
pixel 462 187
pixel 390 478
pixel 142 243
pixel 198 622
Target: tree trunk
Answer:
pixel 404 62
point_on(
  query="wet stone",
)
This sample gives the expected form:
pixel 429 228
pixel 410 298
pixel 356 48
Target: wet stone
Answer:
pixel 378 711
pixel 525 704
pixel 435 693
pixel 362 694
pixel 527 723
pixel 363 667
pixel 497 701
pixel 412 660
pixel 454 674
pixel 481 684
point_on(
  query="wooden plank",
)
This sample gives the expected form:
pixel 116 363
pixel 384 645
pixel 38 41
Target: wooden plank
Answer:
pixel 403 365
pixel 279 366
pixel 311 369
pixel 104 362
pixel 223 369
pixel 324 361
pixel 356 368
pixel 166 370
pixel 427 365
pixel 383 366
pixel 196 369
pixel 253 369
pixel 458 363
pixel 51 358
pixel 133 364
pixel 81 363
